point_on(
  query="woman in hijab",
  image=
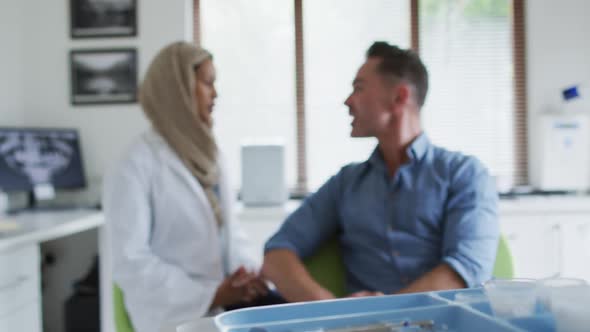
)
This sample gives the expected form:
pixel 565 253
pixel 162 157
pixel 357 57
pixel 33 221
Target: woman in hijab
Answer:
pixel 177 254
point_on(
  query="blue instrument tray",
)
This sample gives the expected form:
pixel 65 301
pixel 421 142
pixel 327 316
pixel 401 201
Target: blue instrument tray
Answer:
pixel 354 314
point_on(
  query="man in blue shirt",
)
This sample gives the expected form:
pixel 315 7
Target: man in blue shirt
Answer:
pixel 412 218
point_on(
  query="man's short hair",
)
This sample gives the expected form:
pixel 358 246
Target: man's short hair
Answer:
pixel 401 64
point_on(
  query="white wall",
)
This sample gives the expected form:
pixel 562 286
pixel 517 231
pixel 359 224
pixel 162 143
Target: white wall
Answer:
pixel 35 91
pixel 11 103
pixel 558 55
pixel 105 130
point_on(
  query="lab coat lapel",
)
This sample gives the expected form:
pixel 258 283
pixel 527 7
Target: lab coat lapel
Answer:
pixel 172 160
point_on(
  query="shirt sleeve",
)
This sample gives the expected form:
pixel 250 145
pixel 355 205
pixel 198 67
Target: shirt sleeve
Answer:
pixel 472 230
pixel 313 223
pixel 155 291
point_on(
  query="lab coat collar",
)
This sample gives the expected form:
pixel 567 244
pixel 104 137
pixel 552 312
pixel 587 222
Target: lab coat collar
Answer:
pixel 169 157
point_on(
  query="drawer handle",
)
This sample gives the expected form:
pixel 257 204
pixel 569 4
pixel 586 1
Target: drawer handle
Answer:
pixel 13 284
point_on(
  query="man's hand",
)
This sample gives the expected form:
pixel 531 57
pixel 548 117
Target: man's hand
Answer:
pixel 365 294
pixel 241 286
pixel 442 277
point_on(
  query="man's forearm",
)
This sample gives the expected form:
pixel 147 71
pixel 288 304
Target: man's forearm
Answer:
pixel 440 278
pixel 293 282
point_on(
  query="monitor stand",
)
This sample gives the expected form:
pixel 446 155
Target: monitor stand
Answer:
pixel 31 205
pixel 34 206
pixel 32 202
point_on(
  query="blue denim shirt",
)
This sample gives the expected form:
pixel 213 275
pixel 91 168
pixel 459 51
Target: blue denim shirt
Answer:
pixel 439 207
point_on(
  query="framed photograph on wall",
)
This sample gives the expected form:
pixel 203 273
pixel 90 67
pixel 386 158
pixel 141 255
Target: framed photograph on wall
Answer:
pixel 104 76
pixel 103 18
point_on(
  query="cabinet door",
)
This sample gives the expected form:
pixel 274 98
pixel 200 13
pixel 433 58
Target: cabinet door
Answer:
pixel 534 242
pixel 27 318
pixel 576 248
pixel 260 223
pixel 19 278
pixel 259 232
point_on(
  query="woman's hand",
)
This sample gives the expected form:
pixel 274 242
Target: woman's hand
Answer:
pixel 240 286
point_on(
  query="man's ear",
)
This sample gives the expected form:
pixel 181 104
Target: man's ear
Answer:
pixel 403 94
pixel 400 95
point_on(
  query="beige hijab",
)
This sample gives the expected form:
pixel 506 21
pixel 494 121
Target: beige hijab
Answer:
pixel 168 99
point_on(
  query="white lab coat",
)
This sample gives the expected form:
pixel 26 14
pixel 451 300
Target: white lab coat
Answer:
pixel 168 254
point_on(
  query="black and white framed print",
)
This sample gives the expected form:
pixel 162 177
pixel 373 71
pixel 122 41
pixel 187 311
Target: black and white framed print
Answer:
pixel 103 76
pixel 103 18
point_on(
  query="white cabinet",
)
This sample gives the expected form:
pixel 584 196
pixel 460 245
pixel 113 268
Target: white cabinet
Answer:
pixel 27 318
pixel 20 289
pixel 535 246
pixel 20 286
pixel 260 223
pixel 576 249
pixel 548 236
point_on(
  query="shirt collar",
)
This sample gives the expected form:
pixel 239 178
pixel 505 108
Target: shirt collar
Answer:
pixel 415 151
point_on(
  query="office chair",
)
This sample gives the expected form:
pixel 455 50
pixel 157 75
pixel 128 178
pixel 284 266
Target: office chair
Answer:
pixel 122 320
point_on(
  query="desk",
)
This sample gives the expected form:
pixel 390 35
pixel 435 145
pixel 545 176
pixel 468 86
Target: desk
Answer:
pixel 20 288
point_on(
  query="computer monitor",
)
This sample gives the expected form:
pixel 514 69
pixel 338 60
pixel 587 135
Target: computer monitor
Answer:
pixel 31 157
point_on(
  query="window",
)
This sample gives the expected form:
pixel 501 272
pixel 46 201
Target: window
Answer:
pixel 253 49
pixel 284 63
pixel 337 34
pixel 467 48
